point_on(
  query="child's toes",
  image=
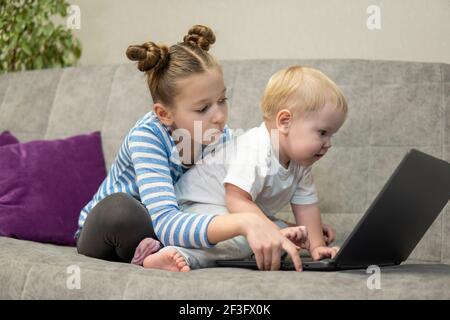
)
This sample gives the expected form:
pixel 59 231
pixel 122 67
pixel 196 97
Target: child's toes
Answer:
pixel 182 265
pixel 185 269
pixel 179 259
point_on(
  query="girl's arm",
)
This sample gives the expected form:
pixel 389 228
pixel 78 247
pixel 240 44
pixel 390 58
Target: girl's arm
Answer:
pixel 156 190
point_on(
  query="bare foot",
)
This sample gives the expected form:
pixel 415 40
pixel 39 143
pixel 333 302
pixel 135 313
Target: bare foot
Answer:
pixel 145 248
pixel 169 259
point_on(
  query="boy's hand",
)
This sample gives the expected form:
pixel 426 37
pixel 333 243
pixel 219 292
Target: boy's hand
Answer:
pixel 328 234
pixel 323 252
pixel 298 235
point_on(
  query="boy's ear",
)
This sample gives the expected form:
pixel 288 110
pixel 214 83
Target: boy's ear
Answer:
pixel 284 120
pixel 164 114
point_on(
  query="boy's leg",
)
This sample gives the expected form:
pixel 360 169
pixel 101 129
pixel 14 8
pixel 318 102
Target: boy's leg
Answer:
pixel 235 248
pixel 114 228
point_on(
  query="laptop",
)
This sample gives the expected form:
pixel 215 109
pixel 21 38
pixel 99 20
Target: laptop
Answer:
pixel 395 222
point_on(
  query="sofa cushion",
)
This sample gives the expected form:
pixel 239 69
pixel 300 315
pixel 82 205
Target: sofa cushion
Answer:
pixel 45 184
pixel 46 271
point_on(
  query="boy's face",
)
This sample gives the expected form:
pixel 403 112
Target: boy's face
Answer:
pixel 308 139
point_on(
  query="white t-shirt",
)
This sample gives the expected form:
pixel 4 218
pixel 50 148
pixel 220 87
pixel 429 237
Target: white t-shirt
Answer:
pixel 248 162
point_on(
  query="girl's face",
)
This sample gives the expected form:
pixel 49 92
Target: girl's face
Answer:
pixel 308 139
pixel 201 107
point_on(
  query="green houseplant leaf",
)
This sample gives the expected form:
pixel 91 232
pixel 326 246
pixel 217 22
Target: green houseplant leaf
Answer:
pixel 29 38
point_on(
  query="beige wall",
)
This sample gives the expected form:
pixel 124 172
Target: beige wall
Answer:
pixel 411 30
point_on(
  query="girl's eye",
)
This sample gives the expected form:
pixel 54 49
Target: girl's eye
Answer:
pixel 322 132
pixel 222 101
pixel 203 109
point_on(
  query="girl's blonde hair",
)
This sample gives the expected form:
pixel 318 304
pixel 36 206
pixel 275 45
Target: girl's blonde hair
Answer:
pixel 165 66
pixel 301 90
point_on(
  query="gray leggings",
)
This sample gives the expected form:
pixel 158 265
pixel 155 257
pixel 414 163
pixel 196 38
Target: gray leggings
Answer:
pixel 114 228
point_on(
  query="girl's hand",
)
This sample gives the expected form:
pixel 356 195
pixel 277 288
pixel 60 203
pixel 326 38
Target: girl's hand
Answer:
pixel 266 241
pixel 322 252
pixel 298 236
pixel 329 234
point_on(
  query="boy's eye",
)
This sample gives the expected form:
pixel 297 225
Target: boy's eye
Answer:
pixel 322 132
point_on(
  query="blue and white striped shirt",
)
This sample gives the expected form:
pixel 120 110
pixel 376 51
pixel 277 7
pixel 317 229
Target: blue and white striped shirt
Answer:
pixel 147 167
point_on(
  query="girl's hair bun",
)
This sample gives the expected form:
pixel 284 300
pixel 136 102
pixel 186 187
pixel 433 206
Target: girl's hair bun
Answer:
pixel 201 36
pixel 149 55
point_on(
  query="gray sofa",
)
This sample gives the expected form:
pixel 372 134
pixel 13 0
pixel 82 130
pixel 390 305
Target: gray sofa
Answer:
pixel 393 106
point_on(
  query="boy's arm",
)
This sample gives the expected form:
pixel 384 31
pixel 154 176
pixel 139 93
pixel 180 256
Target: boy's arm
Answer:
pixel 328 232
pixel 238 200
pixel 308 215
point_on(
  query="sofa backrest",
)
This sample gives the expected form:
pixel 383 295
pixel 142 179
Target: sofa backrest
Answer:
pixel 393 106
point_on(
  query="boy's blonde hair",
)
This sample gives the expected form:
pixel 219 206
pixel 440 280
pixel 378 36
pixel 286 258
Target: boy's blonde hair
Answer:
pixel 301 90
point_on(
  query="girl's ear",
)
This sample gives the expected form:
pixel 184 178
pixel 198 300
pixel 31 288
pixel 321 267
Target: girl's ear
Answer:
pixel 164 114
pixel 284 120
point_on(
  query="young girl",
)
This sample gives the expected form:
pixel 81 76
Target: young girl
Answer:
pixel 136 203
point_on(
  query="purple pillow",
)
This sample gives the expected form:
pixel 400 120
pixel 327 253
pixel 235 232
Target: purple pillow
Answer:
pixel 45 184
pixel 7 138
